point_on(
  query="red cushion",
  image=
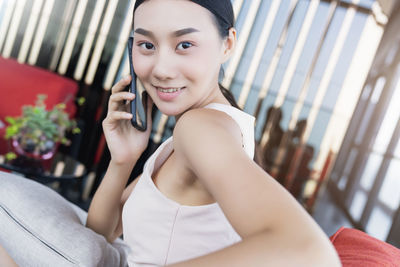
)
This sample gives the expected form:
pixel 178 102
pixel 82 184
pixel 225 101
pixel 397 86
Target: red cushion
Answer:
pixel 20 83
pixel 356 248
pixel 3 143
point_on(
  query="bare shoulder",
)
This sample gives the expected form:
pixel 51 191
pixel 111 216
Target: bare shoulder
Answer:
pixel 205 124
pixel 204 138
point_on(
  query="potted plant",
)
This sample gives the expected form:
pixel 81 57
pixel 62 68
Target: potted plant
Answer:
pixel 38 131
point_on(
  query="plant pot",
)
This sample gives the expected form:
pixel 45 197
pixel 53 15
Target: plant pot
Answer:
pixel 30 151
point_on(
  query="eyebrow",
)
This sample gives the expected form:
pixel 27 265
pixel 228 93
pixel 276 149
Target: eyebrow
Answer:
pixel 184 31
pixel 177 33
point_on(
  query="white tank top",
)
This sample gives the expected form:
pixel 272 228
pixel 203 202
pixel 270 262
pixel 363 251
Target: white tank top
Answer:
pixel 160 231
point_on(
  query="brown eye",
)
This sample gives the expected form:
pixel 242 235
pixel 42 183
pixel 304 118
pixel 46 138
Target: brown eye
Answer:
pixel 147 46
pixel 184 45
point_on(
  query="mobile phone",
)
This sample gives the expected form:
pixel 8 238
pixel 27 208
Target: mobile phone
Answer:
pixel 138 107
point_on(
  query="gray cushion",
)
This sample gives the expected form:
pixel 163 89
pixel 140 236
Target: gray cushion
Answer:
pixel 38 227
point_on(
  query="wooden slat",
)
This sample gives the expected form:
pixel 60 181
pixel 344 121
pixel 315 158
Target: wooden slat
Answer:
pixel 72 36
pixel 33 19
pixel 241 44
pixel 40 32
pixel 8 12
pixel 90 35
pixel 12 31
pixel 101 41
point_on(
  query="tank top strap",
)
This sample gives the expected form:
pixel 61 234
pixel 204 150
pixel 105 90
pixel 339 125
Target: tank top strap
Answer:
pixel 245 122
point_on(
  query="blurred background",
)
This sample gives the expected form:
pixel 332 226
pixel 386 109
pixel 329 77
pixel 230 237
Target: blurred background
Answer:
pixel 320 76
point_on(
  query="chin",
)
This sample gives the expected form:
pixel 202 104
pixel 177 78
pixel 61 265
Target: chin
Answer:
pixel 170 109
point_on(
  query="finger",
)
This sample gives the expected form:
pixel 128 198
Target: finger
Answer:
pixel 117 97
pixel 116 101
pixel 117 116
pixel 121 84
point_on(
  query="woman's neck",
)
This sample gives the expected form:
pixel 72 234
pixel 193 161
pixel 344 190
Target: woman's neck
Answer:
pixel 217 97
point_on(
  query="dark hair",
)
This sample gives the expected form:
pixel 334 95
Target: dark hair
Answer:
pixel 224 19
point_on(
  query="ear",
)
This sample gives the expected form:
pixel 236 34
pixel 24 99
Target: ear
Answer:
pixel 229 44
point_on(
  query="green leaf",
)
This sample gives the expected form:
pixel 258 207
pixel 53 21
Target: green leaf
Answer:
pixel 81 100
pixel 76 130
pixel 11 120
pixel 10 156
pixel 11 131
pixel 61 106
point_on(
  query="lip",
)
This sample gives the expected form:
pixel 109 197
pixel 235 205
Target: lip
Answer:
pixel 167 87
pixel 168 96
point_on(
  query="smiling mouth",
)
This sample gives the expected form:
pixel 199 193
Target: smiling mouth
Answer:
pixel 170 89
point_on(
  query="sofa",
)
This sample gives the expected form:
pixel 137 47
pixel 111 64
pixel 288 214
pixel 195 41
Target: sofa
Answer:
pixel 38 227
pixel 357 249
pixel 41 228
pixel 19 85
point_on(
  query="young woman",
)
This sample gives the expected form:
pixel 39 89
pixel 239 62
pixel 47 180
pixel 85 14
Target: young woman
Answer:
pixel 201 199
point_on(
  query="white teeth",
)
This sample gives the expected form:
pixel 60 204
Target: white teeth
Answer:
pixel 169 90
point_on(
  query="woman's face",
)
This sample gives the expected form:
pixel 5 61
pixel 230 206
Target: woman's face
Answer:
pixel 177 53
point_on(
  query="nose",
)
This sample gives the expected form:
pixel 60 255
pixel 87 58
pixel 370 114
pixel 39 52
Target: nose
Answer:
pixel 164 66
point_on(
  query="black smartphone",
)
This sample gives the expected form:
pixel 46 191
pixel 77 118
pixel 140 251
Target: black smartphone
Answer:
pixel 139 105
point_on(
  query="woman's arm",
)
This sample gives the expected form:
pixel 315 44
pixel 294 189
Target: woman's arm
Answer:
pixel 126 144
pixel 105 211
pixel 5 259
pixel 275 229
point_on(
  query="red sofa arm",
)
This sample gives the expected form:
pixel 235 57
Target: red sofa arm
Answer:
pixel 358 249
pixel 20 83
